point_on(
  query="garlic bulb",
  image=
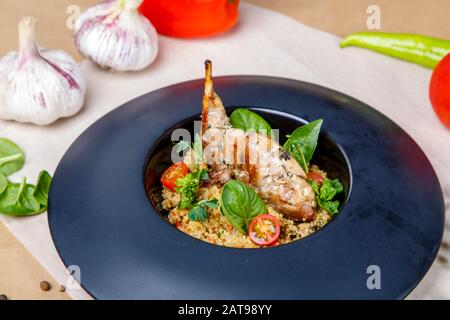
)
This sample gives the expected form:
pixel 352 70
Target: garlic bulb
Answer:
pixel 116 36
pixel 36 85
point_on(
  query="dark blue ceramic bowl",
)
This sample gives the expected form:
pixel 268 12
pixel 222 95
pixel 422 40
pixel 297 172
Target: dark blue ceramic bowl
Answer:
pixel 102 221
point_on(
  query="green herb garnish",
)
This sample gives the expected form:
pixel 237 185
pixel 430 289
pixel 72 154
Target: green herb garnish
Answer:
pixel 248 120
pixel 240 204
pixel 188 186
pixel 199 211
pixel 302 143
pixel 326 194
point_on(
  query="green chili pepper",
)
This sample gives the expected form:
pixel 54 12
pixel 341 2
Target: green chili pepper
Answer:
pixel 423 50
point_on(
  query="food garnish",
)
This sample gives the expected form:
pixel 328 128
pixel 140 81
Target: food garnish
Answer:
pixel 422 50
pixel 302 143
pixel 326 193
pixel 172 174
pixel 264 230
pixel 39 86
pixel 187 187
pixel 249 120
pixel 240 204
pixel 199 211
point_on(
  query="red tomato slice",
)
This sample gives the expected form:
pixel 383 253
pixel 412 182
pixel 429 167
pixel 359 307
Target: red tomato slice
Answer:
pixel 315 177
pixel 264 230
pixel 172 174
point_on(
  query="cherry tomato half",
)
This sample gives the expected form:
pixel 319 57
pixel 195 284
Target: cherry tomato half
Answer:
pixel 315 177
pixel 172 174
pixel 440 90
pixel 264 230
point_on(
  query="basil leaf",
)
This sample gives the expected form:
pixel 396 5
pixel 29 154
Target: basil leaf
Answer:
pixel 12 157
pixel 302 143
pixel 42 188
pixel 198 214
pixel 295 149
pixel 249 120
pixel 3 183
pixel 240 204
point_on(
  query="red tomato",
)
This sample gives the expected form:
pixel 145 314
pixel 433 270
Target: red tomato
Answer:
pixel 264 230
pixel 440 90
pixel 315 177
pixel 191 18
pixel 172 174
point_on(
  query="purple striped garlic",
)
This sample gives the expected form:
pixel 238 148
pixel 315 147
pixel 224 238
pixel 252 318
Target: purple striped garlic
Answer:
pixel 116 36
pixel 36 85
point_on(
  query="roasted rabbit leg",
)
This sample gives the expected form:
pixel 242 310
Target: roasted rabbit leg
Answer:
pixel 254 159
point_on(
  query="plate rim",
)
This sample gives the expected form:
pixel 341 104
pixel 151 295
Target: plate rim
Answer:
pixel 314 87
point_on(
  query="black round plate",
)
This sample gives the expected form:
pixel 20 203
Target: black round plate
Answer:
pixel 102 221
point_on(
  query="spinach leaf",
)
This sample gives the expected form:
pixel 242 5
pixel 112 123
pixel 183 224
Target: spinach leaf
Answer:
pixel 18 200
pixel 199 212
pixel 240 204
pixel 3 183
pixel 12 157
pixel 326 193
pixel 302 143
pixel 188 187
pixel 249 120
pixel 42 188
pixel 23 199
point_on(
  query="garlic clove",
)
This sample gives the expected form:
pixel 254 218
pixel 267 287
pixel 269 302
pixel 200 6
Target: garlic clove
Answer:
pixel 39 86
pixel 116 36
